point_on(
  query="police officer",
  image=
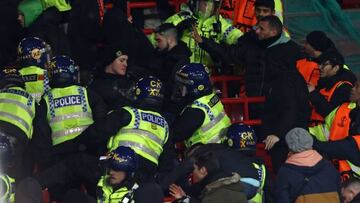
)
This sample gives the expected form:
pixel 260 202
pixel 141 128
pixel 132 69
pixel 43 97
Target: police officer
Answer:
pixel 67 113
pixel 204 14
pixel 238 155
pixel 17 112
pixel 203 120
pixel 119 183
pixel 7 183
pixel 140 126
pixel 252 170
pixel 33 58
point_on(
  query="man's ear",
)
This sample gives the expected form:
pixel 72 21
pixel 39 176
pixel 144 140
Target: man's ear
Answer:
pixel 336 68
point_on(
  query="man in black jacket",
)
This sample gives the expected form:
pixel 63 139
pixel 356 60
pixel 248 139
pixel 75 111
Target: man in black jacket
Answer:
pixel 262 54
pixel 113 83
pixel 286 107
pixel 173 55
pixel 119 32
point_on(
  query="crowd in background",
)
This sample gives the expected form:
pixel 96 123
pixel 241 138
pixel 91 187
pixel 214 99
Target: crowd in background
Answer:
pixel 94 110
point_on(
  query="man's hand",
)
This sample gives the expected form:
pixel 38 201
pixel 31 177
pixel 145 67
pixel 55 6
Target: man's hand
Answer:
pixel 195 35
pixel 176 191
pixel 311 87
pixel 270 141
pixel 130 19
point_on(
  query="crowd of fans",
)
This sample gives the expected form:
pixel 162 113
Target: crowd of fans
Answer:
pixel 93 110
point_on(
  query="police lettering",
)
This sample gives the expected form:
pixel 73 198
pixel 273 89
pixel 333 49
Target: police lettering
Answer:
pixel 18 92
pixel 155 84
pixel 153 119
pixel 29 78
pixel 67 101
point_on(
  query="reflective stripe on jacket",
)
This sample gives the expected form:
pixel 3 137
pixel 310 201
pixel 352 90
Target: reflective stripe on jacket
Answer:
pixel 18 108
pixel 146 134
pixel 338 121
pixel 227 34
pixel 259 197
pixel 215 122
pixel 317 121
pixel 9 191
pixel 109 195
pixel 36 81
pixel 68 112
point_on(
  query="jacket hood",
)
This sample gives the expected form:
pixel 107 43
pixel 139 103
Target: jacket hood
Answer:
pixel 283 39
pixel 228 182
pixel 345 75
pixel 272 41
pixel 31 9
pixel 309 171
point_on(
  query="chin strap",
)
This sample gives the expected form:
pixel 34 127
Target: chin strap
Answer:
pixel 130 195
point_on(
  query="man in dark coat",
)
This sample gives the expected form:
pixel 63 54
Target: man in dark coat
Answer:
pixel 306 176
pixel 10 32
pixel 286 107
pixel 119 32
pixel 173 55
pixel 262 53
pixel 211 182
pixel 114 83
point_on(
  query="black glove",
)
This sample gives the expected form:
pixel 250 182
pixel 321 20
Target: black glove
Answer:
pixel 184 25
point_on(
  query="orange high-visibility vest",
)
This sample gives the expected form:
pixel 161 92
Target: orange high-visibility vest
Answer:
pixel 309 70
pixel 245 13
pixel 340 129
pixel 357 140
pixel 316 118
pixel 341 123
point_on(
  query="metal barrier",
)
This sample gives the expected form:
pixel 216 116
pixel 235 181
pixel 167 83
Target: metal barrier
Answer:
pixel 241 105
pixel 223 81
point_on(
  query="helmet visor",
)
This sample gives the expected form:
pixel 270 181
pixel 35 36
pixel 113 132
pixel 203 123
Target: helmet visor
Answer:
pixel 180 89
pixel 204 9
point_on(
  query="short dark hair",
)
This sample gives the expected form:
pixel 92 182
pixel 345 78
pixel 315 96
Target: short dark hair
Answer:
pixel 209 161
pixel 351 181
pixel 334 58
pixel 167 29
pixel 265 3
pixel 274 22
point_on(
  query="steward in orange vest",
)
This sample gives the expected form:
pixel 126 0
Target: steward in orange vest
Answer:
pixel 343 125
pixel 344 138
pixel 333 87
pixel 315 44
pixel 309 70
